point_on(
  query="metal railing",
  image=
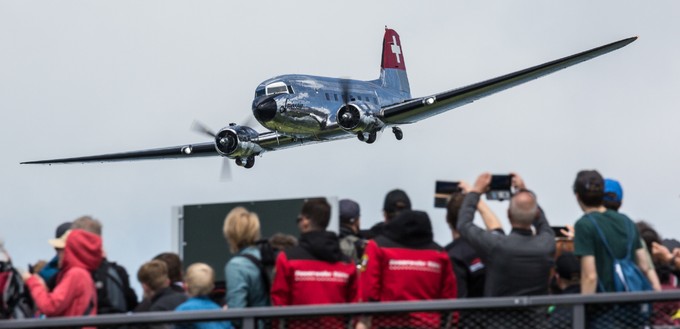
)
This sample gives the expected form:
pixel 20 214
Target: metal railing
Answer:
pixel 578 304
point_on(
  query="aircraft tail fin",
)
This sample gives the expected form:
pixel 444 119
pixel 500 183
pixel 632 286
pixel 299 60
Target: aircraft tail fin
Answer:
pixel 393 69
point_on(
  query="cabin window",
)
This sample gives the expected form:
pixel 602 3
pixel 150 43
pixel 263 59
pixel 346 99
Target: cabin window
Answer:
pixel 259 92
pixel 328 97
pixel 359 97
pixel 278 88
pixel 336 97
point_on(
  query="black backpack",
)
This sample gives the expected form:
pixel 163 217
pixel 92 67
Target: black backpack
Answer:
pixel 16 299
pixel 266 262
pixel 112 288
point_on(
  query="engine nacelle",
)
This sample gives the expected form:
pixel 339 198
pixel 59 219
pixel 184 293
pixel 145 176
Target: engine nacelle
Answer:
pixel 358 117
pixel 237 141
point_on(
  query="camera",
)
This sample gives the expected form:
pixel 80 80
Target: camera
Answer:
pixel 500 188
pixel 443 191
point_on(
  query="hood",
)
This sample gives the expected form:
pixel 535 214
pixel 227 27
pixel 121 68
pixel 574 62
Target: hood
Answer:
pixel 323 245
pixel 411 228
pixel 83 249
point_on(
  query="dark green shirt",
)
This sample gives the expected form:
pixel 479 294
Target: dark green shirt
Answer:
pixel 587 242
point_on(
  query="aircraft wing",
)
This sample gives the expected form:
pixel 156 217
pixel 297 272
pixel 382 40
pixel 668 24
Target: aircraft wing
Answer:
pixel 178 152
pixel 420 108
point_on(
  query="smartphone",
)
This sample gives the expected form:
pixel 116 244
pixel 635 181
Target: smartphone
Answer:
pixel 443 191
pixel 558 231
pixel 500 188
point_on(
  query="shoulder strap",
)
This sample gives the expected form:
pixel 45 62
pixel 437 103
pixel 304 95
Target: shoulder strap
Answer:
pixel 89 308
pixel 263 272
pixel 602 237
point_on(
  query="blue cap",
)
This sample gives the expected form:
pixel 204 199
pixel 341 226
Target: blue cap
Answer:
pixel 612 186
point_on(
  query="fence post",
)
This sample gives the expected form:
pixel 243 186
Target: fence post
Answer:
pixel 248 323
pixel 579 320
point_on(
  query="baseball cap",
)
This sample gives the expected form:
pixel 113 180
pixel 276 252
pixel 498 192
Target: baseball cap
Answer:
pixel 60 242
pixel 568 266
pixel 612 190
pixel 396 200
pixel 62 228
pixel 349 211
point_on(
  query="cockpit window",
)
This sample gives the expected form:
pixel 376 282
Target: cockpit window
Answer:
pixel 259 92
pixel 278 88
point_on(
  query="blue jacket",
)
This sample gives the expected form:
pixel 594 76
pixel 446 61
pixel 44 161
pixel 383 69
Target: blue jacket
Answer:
pixel 201 303
pixel 244 284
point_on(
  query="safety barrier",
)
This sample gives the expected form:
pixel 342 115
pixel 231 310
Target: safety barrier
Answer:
pixel 611 310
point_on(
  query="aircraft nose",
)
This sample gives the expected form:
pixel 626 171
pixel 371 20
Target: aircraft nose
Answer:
pixel 265 109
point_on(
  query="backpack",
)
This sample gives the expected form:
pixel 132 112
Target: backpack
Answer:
pixel 16 300
pixel 266 262
pixel 627 275
pixel 110 289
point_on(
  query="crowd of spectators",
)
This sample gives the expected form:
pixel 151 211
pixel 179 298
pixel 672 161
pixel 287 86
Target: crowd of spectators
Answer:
pixel 396 260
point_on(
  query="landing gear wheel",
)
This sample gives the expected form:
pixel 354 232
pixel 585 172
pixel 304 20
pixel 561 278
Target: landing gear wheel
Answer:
pixel 239 162
pixel 360 136
pixel 250 162
pixel 371 137
pixel 398 133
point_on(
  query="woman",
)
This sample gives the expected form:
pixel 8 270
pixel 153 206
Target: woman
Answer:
pixel 245 285
pixel 80 253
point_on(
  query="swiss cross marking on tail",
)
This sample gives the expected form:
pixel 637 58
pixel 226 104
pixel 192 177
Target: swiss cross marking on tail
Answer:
pixel 396 50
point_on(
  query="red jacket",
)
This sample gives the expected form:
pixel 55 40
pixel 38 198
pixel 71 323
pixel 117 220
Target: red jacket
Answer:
pixel 404 264
pixel 315 272
pixel 75 290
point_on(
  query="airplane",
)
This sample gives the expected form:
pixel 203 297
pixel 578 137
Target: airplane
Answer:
pixel 305 109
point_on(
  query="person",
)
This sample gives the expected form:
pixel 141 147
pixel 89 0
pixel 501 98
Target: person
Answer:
pixel 405 264
pixel 613 194
pixel 568 277
pixel 114 294
pixel 315 271
pixel 49 271
pixel 199 281
pixel 246 280
pixel 517 264
pixel 467 265
pixel 153 276
pixel 351 243
pixel 395 201
pixel 597 265
pixel 174 264
pixel 79 253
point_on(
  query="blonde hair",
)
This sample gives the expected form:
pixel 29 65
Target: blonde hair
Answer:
pixel 199 279
pixel 154 274
pixel 241 228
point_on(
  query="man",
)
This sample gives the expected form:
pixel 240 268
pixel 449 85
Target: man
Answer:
pixel 50 270
pixel 351 243
pixel 517 264
pixel 596 264
pixel 405 264
pixel 467 265
pixel 395 202
pixel 114 293
pixel 613 194
pixel 315 271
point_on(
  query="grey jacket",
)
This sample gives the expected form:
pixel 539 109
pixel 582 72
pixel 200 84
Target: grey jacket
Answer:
pixel 517 264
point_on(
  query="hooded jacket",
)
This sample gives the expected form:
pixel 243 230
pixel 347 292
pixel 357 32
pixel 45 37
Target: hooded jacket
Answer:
pixel 405 264
pixel 75 292
pixel 314 272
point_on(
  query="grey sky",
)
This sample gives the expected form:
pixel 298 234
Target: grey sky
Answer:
pixel 89 77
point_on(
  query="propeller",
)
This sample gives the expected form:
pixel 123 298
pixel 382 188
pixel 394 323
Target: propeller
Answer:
pixel 201 128
pixel 225 172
